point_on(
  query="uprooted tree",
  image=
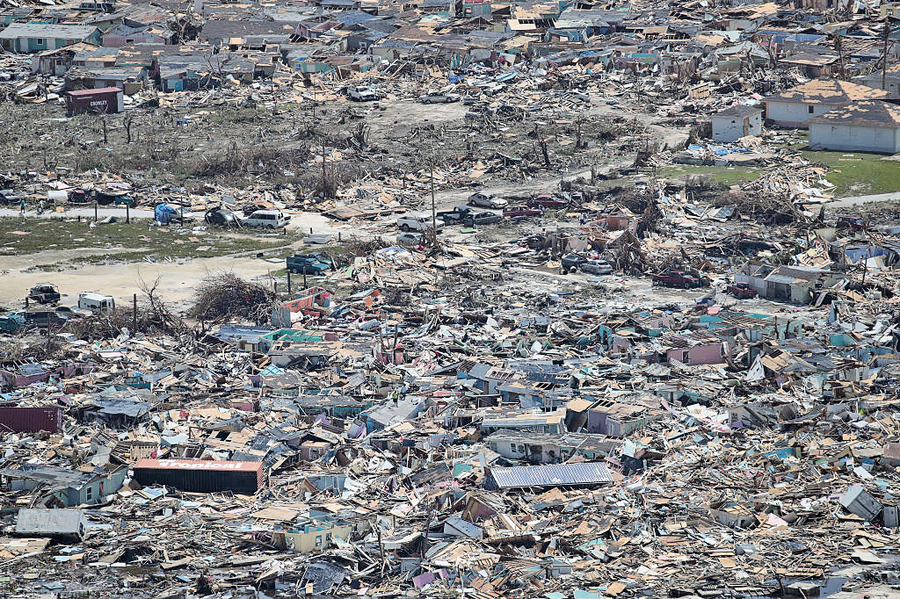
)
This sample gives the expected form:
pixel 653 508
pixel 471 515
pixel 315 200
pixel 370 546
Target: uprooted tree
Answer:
pixel 225 296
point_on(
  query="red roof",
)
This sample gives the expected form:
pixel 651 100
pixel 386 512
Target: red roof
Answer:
pixel 91 92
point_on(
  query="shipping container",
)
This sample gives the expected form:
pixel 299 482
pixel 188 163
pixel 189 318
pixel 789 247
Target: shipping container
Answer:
pixel 30 419
pixel 104 99
pixel 201 476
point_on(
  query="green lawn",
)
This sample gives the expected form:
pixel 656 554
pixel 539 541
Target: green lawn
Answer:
pixel 858 173
pixel 724 175
pixel 126 242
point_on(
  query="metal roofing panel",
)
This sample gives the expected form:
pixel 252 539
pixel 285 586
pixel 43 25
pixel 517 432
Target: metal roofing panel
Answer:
pixel 551 475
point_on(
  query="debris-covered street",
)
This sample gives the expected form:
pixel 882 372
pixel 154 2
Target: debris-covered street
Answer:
pixel 342 298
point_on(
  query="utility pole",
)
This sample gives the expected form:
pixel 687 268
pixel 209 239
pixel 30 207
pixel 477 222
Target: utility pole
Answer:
pixel 887 34
pixel 324 176
pixel 433 209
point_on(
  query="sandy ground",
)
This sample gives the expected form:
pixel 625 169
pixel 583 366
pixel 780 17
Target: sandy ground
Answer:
pixel 121 280
pixel 176 280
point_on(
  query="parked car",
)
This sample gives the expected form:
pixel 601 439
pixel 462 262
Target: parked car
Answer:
pixel 483 200
pixel 482 218
pixel 8 196
pixel 519 211
pixel 572 262
pixel 596 267
pixel 361 93
pixel 44 293
pixel 221 218
pixel 269 219
pixel 311 264
pixel 44 318
pixel 547 201
pixel 410 238
pixel 677 278
pixel 851 221
pixel 412 222
pixel 742 291
pixel 11 323
pixel 439 98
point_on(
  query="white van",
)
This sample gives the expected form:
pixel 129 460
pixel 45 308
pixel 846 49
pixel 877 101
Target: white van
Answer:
pixel 96 302
pixel 269 219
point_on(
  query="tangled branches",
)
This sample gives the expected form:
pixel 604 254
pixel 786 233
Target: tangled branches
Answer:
pixel 227 296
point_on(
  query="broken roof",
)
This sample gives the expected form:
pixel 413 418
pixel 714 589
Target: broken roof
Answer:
pixel 868 113
pixel 828 91
pixel 739 111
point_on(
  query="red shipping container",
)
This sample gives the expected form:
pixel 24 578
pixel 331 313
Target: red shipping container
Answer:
pixel 30 419
pixel 201 476
pixel 104 99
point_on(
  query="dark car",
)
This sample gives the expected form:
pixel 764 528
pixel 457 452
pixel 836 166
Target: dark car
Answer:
pixel 482 218
pixel 8 196
pixel 221 218
pixel 79 196
pixel 251 208
pixel 44 318
pixel 310 264
pixel 571 262
pixel 520 211
pixel 677 278
pixel 741 291
pixel 547 201
pixel 44 293
pixel 850 221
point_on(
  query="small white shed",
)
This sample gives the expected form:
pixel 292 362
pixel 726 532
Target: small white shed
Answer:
pixel 736 122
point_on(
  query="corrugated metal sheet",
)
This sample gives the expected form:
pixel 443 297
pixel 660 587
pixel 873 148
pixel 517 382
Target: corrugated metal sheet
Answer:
pixel 30 419
pixel 552 475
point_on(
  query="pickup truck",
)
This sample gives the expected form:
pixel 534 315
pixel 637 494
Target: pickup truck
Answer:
pixel 520 211
pixel 459 214
pixel 311 264
pixel 742 291
pixel 677 278
pixel 44 293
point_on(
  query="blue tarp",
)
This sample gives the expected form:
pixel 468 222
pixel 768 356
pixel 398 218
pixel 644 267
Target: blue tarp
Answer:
pixel 164 213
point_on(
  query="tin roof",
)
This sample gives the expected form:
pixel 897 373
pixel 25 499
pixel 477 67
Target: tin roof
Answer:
pixel 93 92
pixel 554 475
